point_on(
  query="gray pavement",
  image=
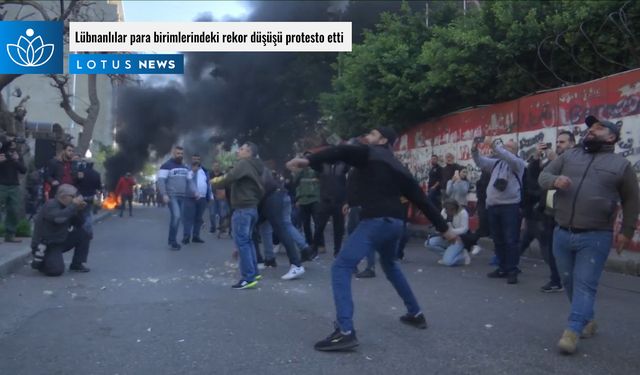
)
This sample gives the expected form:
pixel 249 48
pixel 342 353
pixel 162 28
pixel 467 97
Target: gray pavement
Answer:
pixel 146 310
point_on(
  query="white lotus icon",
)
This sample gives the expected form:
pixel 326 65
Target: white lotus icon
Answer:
pixel 30 52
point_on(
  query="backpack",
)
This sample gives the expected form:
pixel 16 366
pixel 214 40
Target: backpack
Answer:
pixel 269 182
pixel 523 186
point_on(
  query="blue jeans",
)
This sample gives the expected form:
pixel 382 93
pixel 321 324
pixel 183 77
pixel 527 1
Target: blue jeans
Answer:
pixel 243 221
pixel 298 238
pixel 218 210
pixel 193 211
pixel 581 258
pixel 176 207
pixel 382 235
pixel 273 209
pixel 504 223
pixel 452 253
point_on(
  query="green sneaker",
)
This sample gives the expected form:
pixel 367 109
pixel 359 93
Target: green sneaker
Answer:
pixel 245 285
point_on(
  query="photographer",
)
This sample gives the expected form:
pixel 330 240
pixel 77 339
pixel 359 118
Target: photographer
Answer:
pixel 58 229
pixel 504 195
pixel 11 165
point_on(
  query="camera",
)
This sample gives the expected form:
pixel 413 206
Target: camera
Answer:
pixel 479 139
pixel 78 166
pixel 500 184
pixel 5 141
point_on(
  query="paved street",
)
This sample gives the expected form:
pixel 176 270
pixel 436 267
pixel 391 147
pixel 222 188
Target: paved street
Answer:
pixel 146 310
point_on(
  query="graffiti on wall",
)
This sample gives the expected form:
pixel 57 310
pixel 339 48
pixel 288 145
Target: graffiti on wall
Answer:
pixel 529 121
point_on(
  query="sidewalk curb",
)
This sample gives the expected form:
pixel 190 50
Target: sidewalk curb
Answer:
pixel 628 265
pixel 20 258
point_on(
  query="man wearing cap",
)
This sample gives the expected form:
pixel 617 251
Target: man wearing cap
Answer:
pixel 379 180
pixel 590 181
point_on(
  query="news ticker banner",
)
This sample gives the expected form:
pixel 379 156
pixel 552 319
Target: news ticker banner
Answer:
pixel 37 47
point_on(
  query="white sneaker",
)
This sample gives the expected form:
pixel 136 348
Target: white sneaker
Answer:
pixel 475 250
pixel 261 266
pixel 441 262
pixel 467 258
pixel 294 273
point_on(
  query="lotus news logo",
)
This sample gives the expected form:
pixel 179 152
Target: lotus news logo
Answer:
pixel 32 52
pixel 32 47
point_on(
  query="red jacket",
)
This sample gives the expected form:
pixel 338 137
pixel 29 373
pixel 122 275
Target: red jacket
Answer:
pixel 125 186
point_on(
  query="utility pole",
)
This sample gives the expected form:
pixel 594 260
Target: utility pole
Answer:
pixel 426 14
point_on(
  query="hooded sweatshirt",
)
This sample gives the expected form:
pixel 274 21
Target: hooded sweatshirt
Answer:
pixel 245 180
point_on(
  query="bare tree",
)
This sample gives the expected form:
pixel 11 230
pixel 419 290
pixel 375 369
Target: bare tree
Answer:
pixel 88 122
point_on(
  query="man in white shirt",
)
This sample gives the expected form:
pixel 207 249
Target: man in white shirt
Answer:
pixel 196 204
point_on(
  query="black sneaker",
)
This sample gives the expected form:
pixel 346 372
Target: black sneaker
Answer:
pixel 417 321
pixel 186 240
pixel 337 341
pixel 174 246
pixel 78 268
pixel 309 254
pixel 242 284
pixel 497 274
pixel 512 278
pixel 366 274
pixel 551 287
pixel 197 240
pixel 270 263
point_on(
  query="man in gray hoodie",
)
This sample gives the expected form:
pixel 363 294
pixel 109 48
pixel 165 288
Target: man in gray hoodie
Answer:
pixel 590 180
pixel 504 195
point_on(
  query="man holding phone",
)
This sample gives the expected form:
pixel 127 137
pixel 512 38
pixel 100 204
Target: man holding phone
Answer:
pixel 504 195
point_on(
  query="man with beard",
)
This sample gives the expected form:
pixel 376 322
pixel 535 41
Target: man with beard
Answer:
pixel 380 180
pixel 590 181
pixel 174 184
pixel 60 169
pixel 541 225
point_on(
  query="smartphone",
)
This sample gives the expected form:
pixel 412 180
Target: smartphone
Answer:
pixel 479 139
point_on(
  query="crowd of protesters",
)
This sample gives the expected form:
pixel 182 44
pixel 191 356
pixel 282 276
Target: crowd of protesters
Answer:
pixel 566 199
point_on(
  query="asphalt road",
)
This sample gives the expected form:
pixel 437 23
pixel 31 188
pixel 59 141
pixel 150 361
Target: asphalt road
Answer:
pixel 146 310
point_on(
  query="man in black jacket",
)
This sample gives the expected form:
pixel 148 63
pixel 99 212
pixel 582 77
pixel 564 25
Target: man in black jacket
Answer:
pixel 58 229
pixel 10 166
pixel 380 180
pixel 333 195
pixel 89 184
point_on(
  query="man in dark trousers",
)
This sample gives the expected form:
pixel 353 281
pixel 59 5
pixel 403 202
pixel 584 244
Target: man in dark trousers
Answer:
pixel 435 183
pixel 124 190
pixel 58 229
pixel 196 203
pixel 380 181
pixel 333 195
pixel 89 184
pixel 11 165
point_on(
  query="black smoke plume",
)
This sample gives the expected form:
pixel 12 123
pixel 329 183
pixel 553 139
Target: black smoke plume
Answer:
pixel 267 98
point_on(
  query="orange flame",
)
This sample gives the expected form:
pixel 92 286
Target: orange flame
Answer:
pixel 111 202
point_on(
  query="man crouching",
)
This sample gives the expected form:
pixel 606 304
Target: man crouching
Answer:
pixel 58 229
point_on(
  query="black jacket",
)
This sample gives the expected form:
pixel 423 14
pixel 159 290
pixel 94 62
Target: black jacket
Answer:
pixel 333 184
pixel 53 222
pixel 380 180
pixel 9 170
pixel 90 183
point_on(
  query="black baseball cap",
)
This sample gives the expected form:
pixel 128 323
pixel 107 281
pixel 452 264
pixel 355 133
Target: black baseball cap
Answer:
pixel 615 129
pixel 388 133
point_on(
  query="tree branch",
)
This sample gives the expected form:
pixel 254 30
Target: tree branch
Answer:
pixel 34 4
pixel 61 85
pixel 72 5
